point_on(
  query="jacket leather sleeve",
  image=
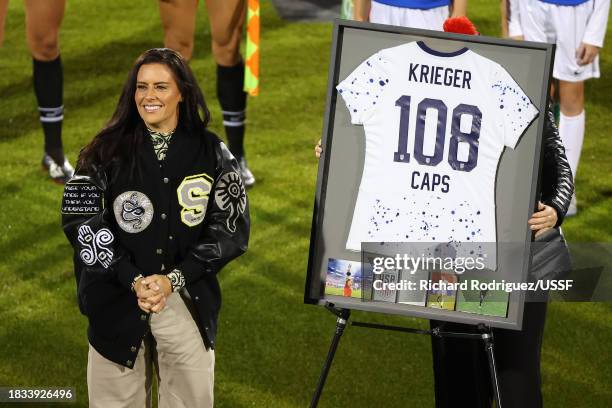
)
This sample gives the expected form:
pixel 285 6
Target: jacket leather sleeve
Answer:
pixel 225 233
pixel 98 257
pixel 557 183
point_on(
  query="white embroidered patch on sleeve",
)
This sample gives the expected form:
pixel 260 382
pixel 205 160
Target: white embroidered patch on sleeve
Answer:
pixel 95 246
pixel 230 196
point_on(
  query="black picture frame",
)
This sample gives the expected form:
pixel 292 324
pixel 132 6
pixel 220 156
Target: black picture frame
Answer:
pixel 315 285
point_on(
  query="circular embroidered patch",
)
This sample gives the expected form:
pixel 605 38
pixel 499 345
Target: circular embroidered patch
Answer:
pixel 133 211
pixel 230 196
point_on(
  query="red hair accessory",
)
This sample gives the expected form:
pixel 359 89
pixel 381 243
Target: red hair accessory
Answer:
pixel 460 25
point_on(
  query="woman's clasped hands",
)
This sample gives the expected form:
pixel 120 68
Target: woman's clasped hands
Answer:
pixel 152 293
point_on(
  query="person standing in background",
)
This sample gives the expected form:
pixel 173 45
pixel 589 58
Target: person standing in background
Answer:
pixel 226 19
pixel 43 21
pixel 426 14
pixel 348 283
pixel 578 28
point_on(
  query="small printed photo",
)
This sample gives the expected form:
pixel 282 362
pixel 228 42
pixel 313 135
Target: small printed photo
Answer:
pixel 413 296
pixel 481 300
pixel 441 297
pixel 385 285
pixel 343 278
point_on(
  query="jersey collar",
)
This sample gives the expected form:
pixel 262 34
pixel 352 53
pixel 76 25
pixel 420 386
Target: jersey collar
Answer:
pixel 428 50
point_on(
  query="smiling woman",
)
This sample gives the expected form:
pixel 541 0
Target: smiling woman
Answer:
pixel 157 97
pixel 159 90
pixel 156 210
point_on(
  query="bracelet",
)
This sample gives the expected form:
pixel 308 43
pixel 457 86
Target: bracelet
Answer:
pixel 139 276
pixel 177 280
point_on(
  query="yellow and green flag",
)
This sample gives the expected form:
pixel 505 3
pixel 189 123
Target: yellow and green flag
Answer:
pixel 251 69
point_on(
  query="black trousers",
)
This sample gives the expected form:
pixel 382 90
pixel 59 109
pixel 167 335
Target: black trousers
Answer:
pixel 461 370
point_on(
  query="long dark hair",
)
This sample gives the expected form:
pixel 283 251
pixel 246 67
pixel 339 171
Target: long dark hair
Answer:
pixel 118 140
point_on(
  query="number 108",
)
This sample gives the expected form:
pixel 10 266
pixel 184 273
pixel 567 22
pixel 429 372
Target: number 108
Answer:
pixel 402 155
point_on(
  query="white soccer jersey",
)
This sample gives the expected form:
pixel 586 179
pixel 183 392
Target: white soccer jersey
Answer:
pixel 435 127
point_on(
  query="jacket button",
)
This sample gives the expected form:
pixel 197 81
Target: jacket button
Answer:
pixel 206 328
pixel 163 216
pixel 197 298
pixel 159 251
pixel 170 237
pixel 143 317
pixel 129 362
pixel 133 349
pixel 166 180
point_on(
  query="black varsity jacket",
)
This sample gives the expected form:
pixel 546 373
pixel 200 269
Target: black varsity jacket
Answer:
pixel 188 212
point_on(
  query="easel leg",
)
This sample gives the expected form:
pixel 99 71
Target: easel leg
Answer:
pixel 487 337
pixel 341 321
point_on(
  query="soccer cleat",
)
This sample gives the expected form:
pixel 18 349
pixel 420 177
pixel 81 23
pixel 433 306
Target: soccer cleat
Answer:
pixel 247 177
pixel 573 207
pixel 59 174
pixel 46 162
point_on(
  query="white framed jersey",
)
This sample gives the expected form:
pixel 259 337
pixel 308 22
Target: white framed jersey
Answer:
pixel 435 127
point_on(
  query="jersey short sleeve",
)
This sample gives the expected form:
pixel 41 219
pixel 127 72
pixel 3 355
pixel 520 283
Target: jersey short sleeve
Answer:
pixel 362 89
pixel 514 110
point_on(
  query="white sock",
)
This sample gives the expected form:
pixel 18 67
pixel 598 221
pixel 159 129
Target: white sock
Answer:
pixel 571 130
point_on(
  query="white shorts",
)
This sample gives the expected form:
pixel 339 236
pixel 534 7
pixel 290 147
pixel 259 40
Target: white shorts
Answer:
pixel 431 19
pixel 564 26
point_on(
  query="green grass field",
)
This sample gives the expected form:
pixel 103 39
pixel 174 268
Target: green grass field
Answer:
pixel 495 302
pixel 340 292
pixel 439 301
pixel 270 346
pixel 489 308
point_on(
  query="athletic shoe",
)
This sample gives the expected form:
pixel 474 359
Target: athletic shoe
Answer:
pixel 573 207
pixel 59 174
pixel 247 177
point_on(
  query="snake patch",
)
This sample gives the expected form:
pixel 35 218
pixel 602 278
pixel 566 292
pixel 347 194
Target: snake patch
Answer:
pixel 133 211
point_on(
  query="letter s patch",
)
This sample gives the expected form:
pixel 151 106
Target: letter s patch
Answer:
pixel 193 195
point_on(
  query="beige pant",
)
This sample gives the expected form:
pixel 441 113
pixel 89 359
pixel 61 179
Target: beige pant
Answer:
pixel 185 369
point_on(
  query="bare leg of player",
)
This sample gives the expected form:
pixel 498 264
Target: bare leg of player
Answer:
pixel 3 11
pixel 178 19
pixel 226 22
pixel 43 21
pixel 361 10
pixel 571 126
